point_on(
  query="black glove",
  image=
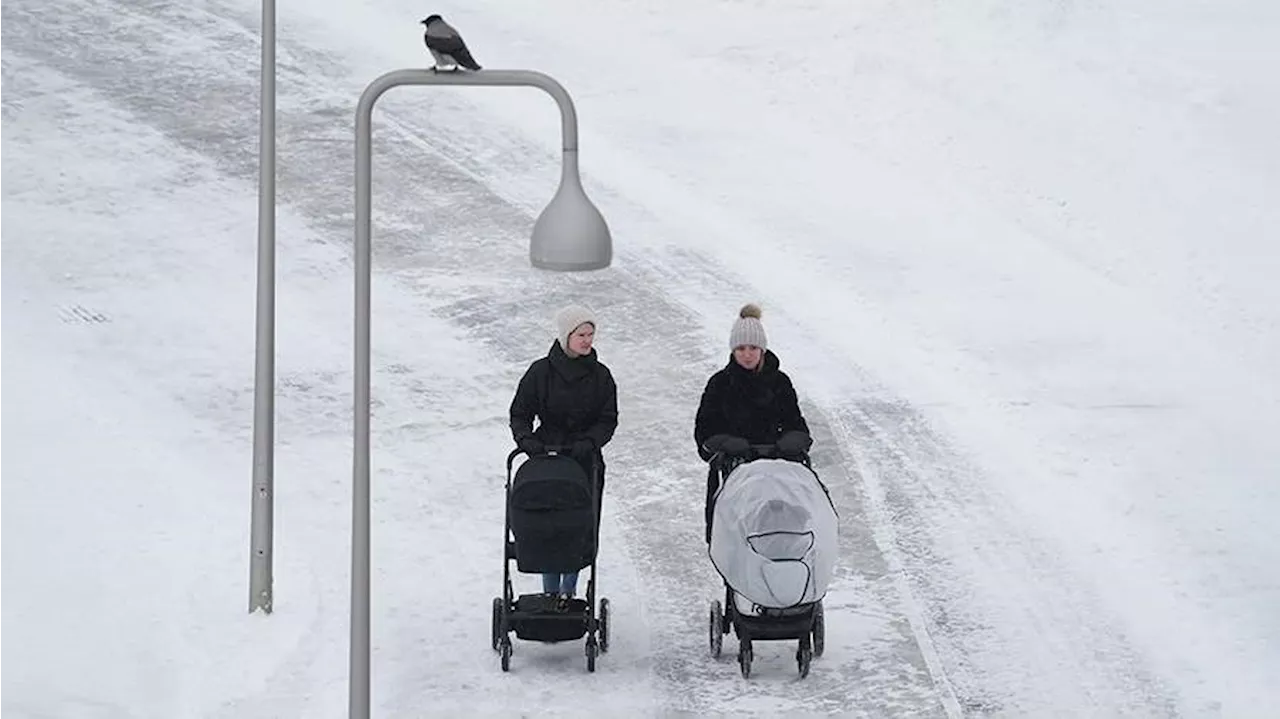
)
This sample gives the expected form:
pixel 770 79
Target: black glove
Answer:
pixel 714 444
pixel 794 443
pixel 531 445
pixel 725 444
pixel 735 446
pixel 583 448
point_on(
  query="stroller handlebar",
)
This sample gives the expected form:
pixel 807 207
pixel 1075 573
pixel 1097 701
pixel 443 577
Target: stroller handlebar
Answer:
pixel 550 450
pixel 757 451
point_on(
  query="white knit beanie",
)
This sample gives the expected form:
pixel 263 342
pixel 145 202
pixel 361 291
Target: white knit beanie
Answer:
pixel 748 330
pixel 569 319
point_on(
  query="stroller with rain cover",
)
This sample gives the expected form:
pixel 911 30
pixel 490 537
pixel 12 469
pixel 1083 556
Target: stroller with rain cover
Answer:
pixel 774 541
pixel 552 525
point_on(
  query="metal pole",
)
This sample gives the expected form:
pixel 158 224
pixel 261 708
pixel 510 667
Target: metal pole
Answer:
pixel 359 697
pixel 261 530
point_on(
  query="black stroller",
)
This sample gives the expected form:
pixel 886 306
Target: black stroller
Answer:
pixel 779 527
pixel 552 525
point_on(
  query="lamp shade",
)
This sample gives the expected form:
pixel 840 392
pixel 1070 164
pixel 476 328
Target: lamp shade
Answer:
pixel 570 235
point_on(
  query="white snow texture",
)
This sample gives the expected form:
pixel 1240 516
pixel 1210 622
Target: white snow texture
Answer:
pixel 1019 259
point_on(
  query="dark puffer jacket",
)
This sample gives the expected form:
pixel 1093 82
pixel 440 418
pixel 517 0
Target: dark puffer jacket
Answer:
pixel 757 406
pixel 572 398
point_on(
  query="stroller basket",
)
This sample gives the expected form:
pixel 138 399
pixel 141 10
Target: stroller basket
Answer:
pixel 538 619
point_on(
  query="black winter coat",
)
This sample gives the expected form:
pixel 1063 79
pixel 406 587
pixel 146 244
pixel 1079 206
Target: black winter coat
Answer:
pixel 573 398
pixel 757 406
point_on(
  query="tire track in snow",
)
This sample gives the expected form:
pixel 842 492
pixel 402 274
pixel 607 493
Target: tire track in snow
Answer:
pixel 883 529
pixel 927 493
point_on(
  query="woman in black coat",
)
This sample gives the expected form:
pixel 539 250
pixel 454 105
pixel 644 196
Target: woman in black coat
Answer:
pixel 749 401
pixel 575 400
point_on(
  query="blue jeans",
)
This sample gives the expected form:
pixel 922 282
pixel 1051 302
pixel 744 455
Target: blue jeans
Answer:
pixel 560 583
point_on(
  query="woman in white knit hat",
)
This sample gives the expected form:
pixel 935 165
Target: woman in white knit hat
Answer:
pixel 750 401
pixel 575 400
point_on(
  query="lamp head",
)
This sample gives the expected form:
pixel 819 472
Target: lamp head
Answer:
pixel 570 235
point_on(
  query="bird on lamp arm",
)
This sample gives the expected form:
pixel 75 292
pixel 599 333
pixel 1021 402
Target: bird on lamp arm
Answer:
pixel 446 46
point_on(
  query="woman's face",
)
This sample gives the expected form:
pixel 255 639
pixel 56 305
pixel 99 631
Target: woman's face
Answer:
pixel 747 356
pixel 580 339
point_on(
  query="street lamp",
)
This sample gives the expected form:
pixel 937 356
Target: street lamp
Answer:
pixel 569 235
pixel 261 506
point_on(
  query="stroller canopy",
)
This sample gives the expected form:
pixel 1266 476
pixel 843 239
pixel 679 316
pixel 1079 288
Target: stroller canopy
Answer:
pixel 774 534
pixel 552 515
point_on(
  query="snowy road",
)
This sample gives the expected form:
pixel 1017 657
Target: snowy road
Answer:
pixel 1004 551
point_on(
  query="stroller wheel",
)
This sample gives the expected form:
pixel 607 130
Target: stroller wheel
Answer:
pixel 804 655
pixel 496 633
pixel 715 628
pixel 604 625
pixel 504 651
pixel 592 653
pixel 819 630
pixel 744 658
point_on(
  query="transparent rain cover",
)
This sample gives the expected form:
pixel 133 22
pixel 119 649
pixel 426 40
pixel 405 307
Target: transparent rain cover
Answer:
pixel 774 534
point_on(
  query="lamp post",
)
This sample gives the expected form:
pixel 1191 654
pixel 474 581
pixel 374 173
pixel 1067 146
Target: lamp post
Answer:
pixel 569 235
pixel 260 512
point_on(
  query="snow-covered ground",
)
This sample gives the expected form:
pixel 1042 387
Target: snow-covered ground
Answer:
pixel 1019 259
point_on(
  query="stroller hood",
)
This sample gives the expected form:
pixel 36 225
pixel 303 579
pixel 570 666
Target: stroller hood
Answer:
pixel 774 534
pixel 551 515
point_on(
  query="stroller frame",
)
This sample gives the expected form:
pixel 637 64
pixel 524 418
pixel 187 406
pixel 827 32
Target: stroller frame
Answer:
pixel 805 622
pixel 531 615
